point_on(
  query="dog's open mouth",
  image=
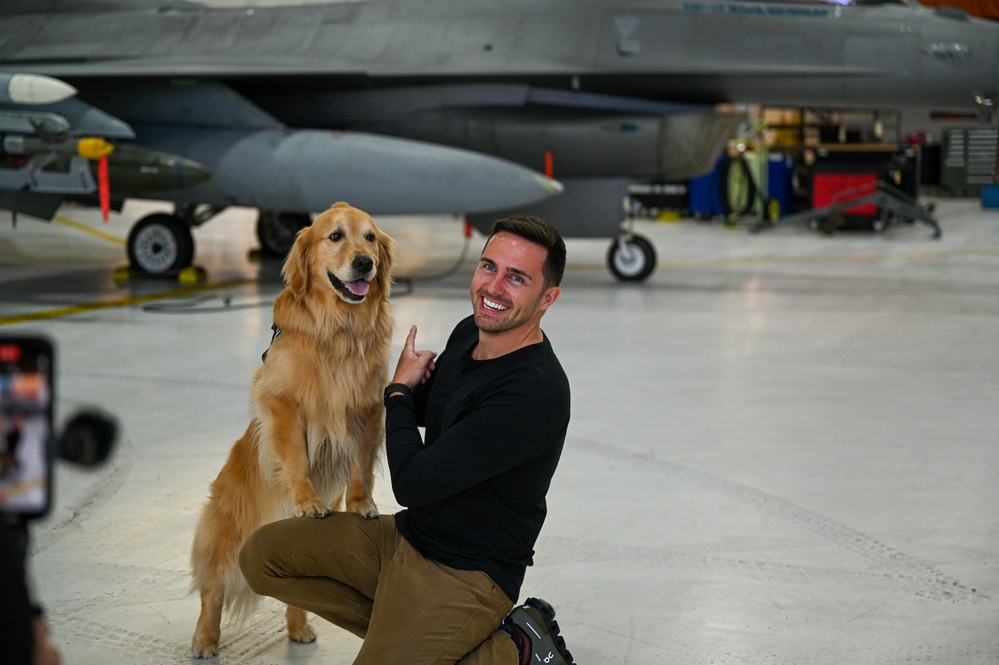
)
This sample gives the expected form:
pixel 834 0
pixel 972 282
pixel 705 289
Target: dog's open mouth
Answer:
pixel 352 291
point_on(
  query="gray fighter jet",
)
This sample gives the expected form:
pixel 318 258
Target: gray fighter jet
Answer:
pixel 429 106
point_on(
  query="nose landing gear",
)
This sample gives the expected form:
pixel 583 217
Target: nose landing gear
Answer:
pixel 631 258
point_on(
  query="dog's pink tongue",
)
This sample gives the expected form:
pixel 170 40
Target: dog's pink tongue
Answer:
pixel 358 288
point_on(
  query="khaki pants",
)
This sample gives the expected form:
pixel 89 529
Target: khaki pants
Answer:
pixel 362 575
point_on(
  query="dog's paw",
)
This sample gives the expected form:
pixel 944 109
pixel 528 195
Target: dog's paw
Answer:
pixel 303 633
pixel 365 508
pixel 315 508
pixel 204 648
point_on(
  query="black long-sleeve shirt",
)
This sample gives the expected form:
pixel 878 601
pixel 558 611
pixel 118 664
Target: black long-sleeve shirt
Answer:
pixel 475 490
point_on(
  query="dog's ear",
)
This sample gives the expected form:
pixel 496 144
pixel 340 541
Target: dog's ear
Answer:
pixel 386 259
pixel 296 267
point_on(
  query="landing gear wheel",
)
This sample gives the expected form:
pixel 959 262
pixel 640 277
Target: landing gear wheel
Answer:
pixel 631 258
pixel 160 244
pixel 276 231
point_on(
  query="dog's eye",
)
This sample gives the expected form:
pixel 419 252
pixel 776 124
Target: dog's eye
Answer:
pixel 336 236
pixel 371 237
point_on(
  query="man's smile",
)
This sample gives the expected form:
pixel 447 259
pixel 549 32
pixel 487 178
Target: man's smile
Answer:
pixel 493 306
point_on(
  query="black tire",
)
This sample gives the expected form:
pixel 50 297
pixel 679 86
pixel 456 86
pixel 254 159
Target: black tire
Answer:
pixel 635 264
pixel 160 244
pixel 276 230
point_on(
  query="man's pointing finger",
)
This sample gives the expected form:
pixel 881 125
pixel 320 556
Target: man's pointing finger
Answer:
pixel 411 340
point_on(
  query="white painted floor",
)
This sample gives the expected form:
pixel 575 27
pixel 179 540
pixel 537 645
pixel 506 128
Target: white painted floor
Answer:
pixel 784 447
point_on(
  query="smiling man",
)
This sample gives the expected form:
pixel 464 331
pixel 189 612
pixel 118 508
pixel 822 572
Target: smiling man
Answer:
pixel 508 301
pixel 437 581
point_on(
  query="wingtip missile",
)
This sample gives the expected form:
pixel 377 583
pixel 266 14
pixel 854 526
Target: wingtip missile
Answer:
pixel 33 89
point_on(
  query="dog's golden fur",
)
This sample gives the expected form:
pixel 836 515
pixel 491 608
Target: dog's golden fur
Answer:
pixel 317 420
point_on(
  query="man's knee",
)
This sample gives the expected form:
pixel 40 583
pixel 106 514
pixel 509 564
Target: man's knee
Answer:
pixel 252 564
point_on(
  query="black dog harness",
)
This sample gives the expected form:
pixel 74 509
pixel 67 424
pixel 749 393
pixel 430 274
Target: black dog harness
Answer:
pixel 277 331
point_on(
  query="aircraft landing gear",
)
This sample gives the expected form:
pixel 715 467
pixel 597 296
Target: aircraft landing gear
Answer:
pixel 160 244
pixel 631 258
pixel 276 230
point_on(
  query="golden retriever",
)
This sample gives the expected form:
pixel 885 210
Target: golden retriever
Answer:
pixel 316 405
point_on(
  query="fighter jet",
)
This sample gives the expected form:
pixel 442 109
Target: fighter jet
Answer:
pixel 476 107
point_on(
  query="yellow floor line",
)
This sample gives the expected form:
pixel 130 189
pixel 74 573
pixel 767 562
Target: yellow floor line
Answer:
pixel 70 310
pixel 667 265
pixel 841 258
pixel 89 229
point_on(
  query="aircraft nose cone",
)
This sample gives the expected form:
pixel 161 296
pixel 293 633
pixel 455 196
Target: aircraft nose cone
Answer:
pixel 548 185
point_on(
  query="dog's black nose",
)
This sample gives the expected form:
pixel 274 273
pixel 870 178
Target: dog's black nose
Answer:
pixel 363 263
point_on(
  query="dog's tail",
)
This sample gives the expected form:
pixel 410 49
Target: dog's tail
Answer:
pixel 239 501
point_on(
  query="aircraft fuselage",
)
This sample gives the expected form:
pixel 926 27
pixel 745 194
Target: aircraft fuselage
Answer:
pixel 703 51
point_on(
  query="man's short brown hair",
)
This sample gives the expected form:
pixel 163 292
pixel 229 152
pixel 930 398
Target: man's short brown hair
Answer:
pixel 541 232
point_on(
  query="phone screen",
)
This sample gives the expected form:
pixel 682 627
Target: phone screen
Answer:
pixel 26 396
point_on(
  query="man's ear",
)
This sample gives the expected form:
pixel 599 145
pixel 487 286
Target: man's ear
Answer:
pixel 549 298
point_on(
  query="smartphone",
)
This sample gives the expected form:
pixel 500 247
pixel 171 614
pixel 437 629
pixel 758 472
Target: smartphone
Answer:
pixel 27 389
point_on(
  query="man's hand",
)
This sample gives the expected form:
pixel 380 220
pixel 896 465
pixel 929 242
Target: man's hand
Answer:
pixel 414 366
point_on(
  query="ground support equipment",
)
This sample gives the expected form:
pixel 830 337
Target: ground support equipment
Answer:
pixel 895 207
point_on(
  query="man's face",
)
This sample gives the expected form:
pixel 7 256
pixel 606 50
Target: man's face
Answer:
pixel 508 287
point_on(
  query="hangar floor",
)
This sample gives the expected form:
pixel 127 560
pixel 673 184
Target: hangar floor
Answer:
pixel 784 446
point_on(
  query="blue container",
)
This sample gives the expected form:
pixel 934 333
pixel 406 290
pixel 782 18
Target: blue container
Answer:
pixel 990 196
pixel 703 193
pixel 780 185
